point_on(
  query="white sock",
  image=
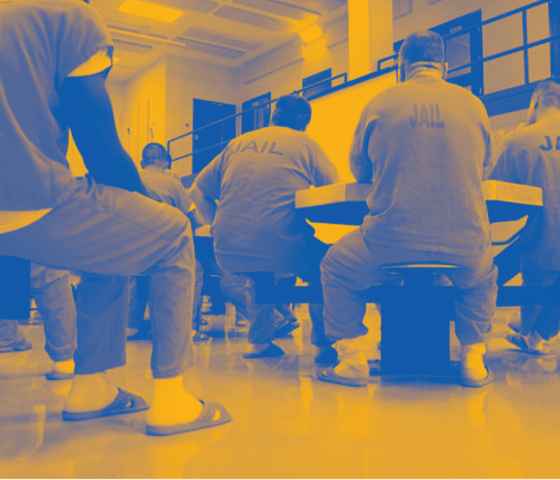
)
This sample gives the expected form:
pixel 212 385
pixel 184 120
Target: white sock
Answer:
pixel 352 358
pixel 172 403
pixel 472 361
pixel 90 392
pixel 64 366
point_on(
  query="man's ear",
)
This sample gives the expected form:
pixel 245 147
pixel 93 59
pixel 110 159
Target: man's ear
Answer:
pixel 532 113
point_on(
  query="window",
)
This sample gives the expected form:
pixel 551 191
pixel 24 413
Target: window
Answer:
pixel 318 83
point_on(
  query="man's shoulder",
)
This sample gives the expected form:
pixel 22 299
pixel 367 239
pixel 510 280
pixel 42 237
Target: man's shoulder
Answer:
pixel 53 7
pixel 525 136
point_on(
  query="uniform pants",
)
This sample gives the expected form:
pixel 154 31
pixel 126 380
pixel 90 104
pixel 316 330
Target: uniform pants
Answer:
pixel 262 329
pixel 543 319
pixel 55 301
pixel 351 267
pixel 111 234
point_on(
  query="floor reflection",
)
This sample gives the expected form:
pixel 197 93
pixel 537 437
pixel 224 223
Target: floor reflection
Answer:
pixel 288 424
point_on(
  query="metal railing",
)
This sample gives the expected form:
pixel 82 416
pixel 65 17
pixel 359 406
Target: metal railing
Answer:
pixel 524 47
pixel 382 68
pixel 343 77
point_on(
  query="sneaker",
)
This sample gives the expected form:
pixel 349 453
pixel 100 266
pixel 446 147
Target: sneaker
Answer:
pixel 20 344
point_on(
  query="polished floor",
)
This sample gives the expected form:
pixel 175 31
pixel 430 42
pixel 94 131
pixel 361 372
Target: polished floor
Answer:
pixel 286 424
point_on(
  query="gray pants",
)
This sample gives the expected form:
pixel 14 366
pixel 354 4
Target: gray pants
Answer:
pixel 351 267
pixel 111 234
pixel 543 319
pixel 53 295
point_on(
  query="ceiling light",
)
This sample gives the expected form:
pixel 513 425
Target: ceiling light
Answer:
pixel 151 10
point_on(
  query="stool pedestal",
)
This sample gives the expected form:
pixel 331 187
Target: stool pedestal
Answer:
pixel 415 323
pixel 15 288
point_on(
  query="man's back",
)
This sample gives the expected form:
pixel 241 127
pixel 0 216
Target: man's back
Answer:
pixel 257 226
pixel 429 149
pixel 531 155
pixel 41 43
pixel 165 187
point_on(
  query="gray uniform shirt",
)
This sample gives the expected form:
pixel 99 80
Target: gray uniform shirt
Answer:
pixel 41 43
pixel 257 227
pixel 531 155
pixel 426 144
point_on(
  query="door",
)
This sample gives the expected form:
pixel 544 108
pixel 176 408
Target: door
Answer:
pixel 256 113
pixel 214 125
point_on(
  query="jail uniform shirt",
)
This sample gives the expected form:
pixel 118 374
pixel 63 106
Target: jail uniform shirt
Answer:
pixel 531 156
pixel 426 144
pixel 167 188
pixel 42 42
pixel 257 227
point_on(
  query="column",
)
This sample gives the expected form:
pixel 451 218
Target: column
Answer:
pixel 370 34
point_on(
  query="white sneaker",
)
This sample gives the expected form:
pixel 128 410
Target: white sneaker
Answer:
pixel 473 368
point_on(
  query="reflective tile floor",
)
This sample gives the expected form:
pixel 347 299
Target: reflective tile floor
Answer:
pixel 286 424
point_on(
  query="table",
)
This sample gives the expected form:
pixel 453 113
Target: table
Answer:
pixel 345 203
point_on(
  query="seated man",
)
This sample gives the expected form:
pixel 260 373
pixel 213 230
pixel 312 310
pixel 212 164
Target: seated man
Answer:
pixel 162 186
pixel 425 145
pixel 531 156
pixel 55 302
pixel 54 59
pixel 257 228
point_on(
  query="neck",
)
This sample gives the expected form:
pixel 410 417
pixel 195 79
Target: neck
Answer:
pixel 425 69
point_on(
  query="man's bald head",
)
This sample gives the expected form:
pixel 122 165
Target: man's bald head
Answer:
pixel 292 111
pixel 546 96
pixel 422 48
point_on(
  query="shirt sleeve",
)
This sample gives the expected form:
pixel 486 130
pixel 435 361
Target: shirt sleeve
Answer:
pixel 360 162
pixel 512 164
pixel 82 34
pixel 209 180
pixel 98 63
pixel 323 171
pixel 490 148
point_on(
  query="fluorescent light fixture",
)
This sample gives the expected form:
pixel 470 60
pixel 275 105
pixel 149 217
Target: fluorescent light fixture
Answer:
pixel 151 10
pixel 311 34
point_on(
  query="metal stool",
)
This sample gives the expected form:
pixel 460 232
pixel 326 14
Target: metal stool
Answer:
pixel 15 288
pixel 415 318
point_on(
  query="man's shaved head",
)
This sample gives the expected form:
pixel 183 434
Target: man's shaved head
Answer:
pixel 292 111
pixel 545 97
pixel 422 47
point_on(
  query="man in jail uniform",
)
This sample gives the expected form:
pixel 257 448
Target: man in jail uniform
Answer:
pixel 531 156
pixel 55 302
pixel 163 186
pixel 54 59
pixel 425 144
pixel 257 229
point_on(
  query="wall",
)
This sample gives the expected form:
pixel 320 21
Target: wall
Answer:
pixel 282 70
pixel 143 117
pixel 187 80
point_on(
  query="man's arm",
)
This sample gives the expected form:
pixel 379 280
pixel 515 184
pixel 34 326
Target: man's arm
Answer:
pixel 205 206
pixel 360 163
pixel 89 114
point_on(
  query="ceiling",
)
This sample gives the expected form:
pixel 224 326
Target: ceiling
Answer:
pixel 223 32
